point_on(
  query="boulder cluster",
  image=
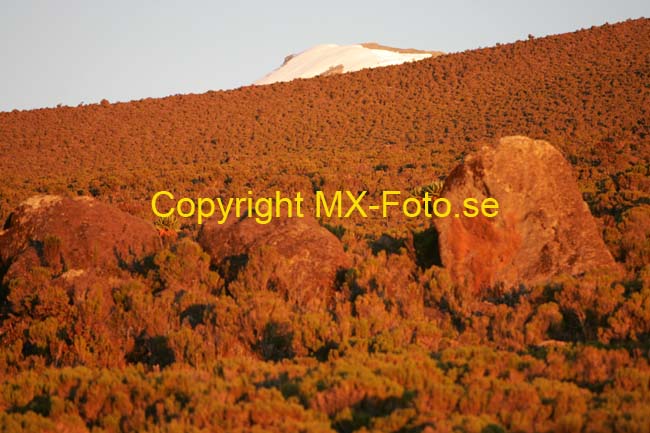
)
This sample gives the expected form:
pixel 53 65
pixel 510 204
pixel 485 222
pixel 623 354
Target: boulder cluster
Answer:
pixel 543 229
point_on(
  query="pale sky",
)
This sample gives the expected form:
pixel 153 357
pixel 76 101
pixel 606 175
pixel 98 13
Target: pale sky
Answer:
pixel 76 51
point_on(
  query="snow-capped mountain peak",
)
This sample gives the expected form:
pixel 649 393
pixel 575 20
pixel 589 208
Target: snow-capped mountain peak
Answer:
pixel 329 59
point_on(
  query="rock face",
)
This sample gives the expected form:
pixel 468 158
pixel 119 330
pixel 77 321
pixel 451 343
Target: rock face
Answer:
pixel 543 227
pixel 293 256
pixel 70 235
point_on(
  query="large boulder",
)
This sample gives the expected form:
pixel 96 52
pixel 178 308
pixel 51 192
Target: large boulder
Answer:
pixel 293 256
pixel 543 227
pixel 74 234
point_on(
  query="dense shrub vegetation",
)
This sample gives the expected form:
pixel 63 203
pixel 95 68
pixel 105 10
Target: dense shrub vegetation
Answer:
pixel 177 346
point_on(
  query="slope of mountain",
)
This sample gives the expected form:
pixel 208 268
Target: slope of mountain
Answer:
pixel 188 341
pixel 329 59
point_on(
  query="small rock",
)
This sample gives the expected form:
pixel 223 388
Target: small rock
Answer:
pixel 73 234
pixel 294 256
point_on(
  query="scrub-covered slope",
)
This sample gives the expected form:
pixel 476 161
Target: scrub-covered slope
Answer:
pixel 109 325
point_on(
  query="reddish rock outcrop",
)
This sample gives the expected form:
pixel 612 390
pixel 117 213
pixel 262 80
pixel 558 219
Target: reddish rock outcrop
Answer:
pixel 69 234
pixel 543 227
pixel 293 256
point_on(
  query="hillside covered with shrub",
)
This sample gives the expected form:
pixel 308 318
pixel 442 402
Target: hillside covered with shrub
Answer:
pixel 104 329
